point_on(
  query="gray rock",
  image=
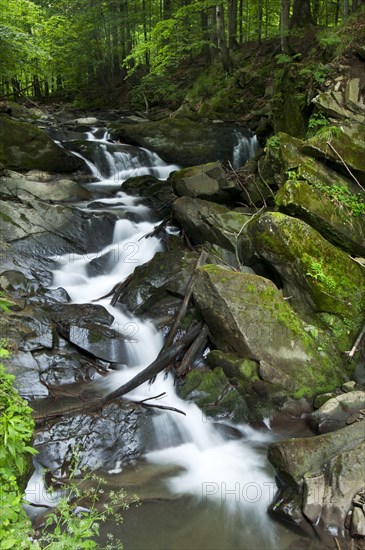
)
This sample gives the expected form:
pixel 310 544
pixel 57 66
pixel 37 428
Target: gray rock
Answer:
pixel 208 221
pixel 313 494
pixel 358 523
pixel 333 414
pixel 207 181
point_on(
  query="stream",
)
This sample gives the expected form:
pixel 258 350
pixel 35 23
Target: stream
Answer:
pixel 203 485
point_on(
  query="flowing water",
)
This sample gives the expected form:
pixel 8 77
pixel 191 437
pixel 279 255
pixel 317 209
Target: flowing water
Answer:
pixel 201 488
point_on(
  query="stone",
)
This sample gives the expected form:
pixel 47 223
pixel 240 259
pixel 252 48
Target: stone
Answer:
pixel 353 99
pixel 208 221
pixel 331 219
pixel 358 523
pixel 322 399
pixel 156 194
pixel 27 375
pixel 23 146
pixel 321 280
pixel 55 190
pixel 349 386
pixel 346 141
pixel 208 181
pixel 333 414
pixel 332 103
pixel 313 494
pixel 247 315
pixel 183 141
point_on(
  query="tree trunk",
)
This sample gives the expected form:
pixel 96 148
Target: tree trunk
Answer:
pixel 205 36
pixel 240 19
pixel 259 21
pixel 284 26
pixel 221 33
pixel 232 23
pixel 166 9
pixel 302 16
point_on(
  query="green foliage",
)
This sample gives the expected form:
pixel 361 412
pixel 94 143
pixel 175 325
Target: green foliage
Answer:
pixel 316 122
pixel 317 73
pixel 16 430
pixel 343 197
pixel 273 142
pixel 285 59
pixel 317 273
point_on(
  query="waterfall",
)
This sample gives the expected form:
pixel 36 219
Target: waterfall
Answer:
pixel 245 147
pixel 208 467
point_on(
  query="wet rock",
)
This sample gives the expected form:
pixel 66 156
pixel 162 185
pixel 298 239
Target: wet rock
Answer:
pixel 333 414
pixel 207 181
pixel 183 141
pixel 255 191
pixel 157 288
pixel 107 441
pixel 316 275
pixel 27 375
pixel 358 523
pixel 208 221
pixel 158 194
pixel 247 315
pixel 321 474
pixel 26 147
pixel 330 218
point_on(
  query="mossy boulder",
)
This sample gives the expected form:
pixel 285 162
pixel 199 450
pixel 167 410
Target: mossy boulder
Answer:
pixel 336 412
pixel 318 277
pixel 208 221
pixel 207 181
pixel 247 315
pixel 213 393
pixel 183 141
pixel 26 147
pixel 345 143
pixel 329 217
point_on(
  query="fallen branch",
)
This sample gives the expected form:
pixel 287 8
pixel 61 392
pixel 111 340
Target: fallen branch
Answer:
pixel 338 545
pixel 120 287
pixel 240 185
pixel 163 359
pixel 345 165
pixel 199 343
pixel 189 291
pixel 157 229
pixel 353 350
pixel 154 406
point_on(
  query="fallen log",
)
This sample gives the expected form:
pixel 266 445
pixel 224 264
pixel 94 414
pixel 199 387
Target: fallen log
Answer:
pixel 162 361
pixel 198 345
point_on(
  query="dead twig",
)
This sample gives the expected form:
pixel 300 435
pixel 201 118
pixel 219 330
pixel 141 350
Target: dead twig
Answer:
pixel 345 165
pixel 357 342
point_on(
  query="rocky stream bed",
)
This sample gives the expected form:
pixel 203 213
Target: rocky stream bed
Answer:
pixel 281 296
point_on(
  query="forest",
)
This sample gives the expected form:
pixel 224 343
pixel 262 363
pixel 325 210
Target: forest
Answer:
pixel 95 52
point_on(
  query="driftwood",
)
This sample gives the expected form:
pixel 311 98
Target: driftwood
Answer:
pixel 162 361
pixel 357 342
pixel 156 230
pixel 189 291
pixel 198 345
pixel 154 406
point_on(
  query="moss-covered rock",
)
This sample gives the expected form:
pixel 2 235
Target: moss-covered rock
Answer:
pixel 345 143
pixel 329 217
pixel 207 181
pixel 26 147
pixel 208 221
pixel 247 315
pixel 213 393
pixel 158 194
pixel 183 141
pixel 316 275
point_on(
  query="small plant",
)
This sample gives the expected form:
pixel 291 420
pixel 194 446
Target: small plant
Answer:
pixel 285 59
pixel 317 122
pixel 341 196
pixel 273 142
pixel 316 73
pixel 315 271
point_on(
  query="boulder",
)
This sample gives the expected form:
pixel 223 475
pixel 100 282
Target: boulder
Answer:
pixel 208 181
pixel 333 104
pixel 246 314
pixel 337 411
pixel 213 393
pixel 319 278
pixel 14 185
pixel 341 144
pixel 319 477
pixel 184 141
pixel 330 218
pixel 208 221
pixel 26 147
pixel 157 194
pixel 158 287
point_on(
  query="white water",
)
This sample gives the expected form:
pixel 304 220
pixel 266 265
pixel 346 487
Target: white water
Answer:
pixel 245 148
pixel 212 469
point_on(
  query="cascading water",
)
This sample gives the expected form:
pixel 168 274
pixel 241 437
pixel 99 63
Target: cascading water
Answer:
pixel 245 147
pixel 226 477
